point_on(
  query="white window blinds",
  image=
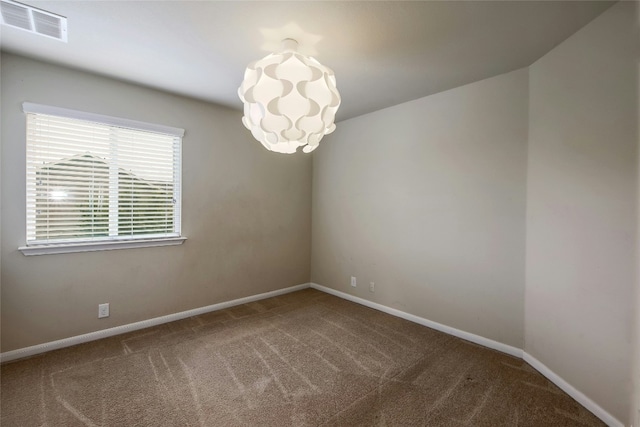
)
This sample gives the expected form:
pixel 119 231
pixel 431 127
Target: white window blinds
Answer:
pixel 100 179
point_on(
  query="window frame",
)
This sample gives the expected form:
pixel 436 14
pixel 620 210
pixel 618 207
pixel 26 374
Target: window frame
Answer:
pixel 86 245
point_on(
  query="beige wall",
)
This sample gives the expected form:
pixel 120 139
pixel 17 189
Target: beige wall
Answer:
pixel 634 406
pixel 246 213
pixel 581 208
pixel 427 200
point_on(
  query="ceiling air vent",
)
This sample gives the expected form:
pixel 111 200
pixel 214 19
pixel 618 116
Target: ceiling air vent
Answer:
pixel 34 20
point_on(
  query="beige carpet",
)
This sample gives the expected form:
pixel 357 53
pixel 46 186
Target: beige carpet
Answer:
pixel 305 358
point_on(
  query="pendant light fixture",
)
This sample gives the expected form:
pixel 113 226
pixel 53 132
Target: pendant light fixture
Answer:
pixel 290 100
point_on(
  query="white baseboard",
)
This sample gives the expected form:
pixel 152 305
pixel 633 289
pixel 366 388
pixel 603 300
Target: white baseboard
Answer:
pixel 592 406
pixel 486 342
pixel 117 330
pixel 606 417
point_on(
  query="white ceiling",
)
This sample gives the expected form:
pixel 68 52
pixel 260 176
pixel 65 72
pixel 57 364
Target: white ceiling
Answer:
pixel 383 53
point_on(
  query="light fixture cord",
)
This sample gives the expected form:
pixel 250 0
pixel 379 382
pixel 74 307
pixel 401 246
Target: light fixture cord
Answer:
pixel 289 44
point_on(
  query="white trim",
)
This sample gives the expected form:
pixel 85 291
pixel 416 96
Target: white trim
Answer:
pixel 30 107
pixel 485 342
pixel 66 248
pixel 92 336
pixel 589 404
pixel 592 406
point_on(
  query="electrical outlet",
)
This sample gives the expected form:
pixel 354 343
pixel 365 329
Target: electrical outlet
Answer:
pixel 353 281
pixel 372 287
pixel 103 310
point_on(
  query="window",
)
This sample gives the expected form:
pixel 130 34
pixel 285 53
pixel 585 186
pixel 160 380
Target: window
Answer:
pixel 96 182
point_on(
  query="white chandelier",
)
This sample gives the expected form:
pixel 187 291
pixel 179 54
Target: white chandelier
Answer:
pixel 290 100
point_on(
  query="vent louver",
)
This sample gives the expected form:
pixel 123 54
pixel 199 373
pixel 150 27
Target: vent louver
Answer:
pixel 34 20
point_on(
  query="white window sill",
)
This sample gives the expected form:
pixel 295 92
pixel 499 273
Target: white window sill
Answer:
pixel 65 248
